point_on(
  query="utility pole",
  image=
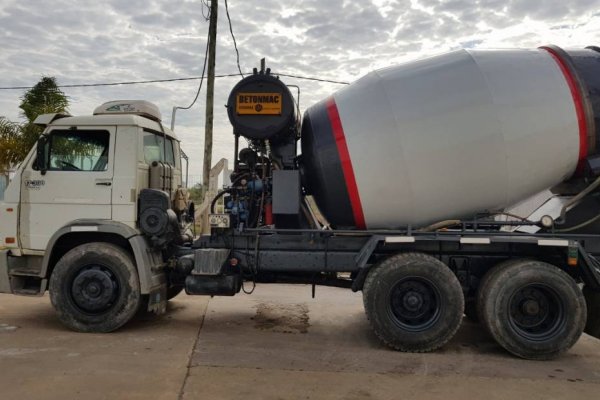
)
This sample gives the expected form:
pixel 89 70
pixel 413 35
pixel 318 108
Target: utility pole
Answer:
pixel 210 92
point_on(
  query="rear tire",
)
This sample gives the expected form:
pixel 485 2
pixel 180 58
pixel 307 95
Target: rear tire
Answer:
pixel 413 302
pixel 95 288
pixel 483 288
pixel 592 299
pixel 532 309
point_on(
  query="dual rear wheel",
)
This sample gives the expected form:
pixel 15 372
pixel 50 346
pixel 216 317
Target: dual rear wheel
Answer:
pixel 415 303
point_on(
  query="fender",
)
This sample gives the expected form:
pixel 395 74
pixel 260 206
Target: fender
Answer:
pixel 148 261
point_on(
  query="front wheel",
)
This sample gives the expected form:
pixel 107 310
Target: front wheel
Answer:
pixel 95 288
pixel 413 302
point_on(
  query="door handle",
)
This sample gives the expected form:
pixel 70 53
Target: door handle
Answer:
pixel 103 183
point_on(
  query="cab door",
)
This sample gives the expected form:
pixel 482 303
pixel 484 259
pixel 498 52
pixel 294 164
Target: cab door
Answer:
pixel 75 183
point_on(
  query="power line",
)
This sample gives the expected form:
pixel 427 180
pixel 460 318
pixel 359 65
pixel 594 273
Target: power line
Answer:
pixel 237 53
pixel 191 78
pixel 205 4
pixel 308 78
pixel 208 43
pixel 201 79
pixel 79 85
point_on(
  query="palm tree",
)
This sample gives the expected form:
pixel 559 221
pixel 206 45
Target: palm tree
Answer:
pixel 17 139
pixel 9 134
pixel 44 98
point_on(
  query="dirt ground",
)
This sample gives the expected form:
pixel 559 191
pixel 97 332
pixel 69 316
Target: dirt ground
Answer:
pixel 278 343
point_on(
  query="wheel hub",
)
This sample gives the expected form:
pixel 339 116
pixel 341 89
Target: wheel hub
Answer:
pixel 535 312
pixel 94 289
pixel 413 301
pixel 414 304
pixel 531 307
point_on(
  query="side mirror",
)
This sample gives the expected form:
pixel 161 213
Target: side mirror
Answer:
pixel 41 161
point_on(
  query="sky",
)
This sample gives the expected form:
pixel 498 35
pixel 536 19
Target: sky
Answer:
pixel 82 41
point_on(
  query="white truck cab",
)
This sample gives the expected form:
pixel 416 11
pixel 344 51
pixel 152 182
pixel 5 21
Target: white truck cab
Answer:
pixel 80 184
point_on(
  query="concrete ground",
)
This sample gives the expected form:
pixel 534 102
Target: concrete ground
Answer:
pixel 276 344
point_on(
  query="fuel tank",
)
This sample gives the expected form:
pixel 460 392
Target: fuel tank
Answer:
pixel 451 136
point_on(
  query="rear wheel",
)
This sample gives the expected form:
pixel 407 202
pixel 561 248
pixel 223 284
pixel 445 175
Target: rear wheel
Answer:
pixel 592 299
pixel 413 302
pixel 483 287
pixel 532 309
pixel 95 288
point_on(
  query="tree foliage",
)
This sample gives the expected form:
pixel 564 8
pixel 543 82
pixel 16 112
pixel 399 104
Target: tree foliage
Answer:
pixel 16 139
pixel 197 193
pixel 44 98
pixel 9 140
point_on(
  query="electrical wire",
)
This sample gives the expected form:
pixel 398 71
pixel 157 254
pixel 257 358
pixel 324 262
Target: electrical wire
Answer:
pixel 201 78
pixel 253 266
pixel 308 78
pixel 207 5
pixel 237 53
pixel 191 78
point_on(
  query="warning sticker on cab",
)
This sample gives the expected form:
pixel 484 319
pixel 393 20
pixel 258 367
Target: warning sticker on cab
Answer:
pixel 258 103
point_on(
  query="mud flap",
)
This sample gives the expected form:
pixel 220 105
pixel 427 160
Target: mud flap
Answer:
pixel 592 299
pixel 4 279
pixel 157 300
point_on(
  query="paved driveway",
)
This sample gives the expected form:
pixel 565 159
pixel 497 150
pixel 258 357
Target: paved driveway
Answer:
pixel 275 344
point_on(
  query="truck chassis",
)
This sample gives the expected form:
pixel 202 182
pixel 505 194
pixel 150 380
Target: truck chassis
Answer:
pixel 538 312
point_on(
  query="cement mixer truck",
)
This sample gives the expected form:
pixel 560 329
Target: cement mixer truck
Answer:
pixel 462 184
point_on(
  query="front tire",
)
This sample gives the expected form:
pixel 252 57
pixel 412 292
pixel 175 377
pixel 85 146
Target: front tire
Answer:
pixel 95 288
pixel 414 302
pixel 533 309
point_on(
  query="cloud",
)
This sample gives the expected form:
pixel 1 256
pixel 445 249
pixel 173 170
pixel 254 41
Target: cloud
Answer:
pixel 90 41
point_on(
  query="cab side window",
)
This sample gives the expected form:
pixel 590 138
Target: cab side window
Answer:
pixel 155 149
pixel 78 150
pixel 169 156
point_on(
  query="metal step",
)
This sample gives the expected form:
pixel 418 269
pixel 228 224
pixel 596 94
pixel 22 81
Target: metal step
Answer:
pixel 28 285
pixel 28 271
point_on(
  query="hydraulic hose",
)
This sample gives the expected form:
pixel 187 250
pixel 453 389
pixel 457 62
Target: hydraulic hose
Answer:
pixel 217 197
pixel 563 212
